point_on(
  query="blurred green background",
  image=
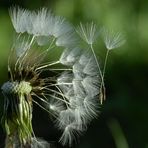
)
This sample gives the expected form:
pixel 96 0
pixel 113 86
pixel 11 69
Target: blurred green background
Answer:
pixel 123 122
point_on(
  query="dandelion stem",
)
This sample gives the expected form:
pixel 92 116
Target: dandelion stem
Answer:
pixel 101 74
pixel 41 99
pixel 64 84
pixel 32 40
pixel 105 62
pixel 47 65
pixel 61 69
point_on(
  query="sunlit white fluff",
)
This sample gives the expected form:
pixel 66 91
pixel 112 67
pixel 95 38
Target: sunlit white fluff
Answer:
pixel 112 39
pixel 88 68
pixel 81 116
pixel 65 81
pixel 21 19
pixel 78 88
pixel 88 32
pixel 91 105
pixel 78 71
pixel 40 22
pixel 56 106
pixel 69 135
pixel 65 118
pixel 91 85
pixel 43 23
pixel 61 26
pixel 67 40
pixel 70 56
pixel 78 85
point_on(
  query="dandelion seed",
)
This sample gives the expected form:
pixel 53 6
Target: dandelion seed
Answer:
pixel 113 39
pixel 88 32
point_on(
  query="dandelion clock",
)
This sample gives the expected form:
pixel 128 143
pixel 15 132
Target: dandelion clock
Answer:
pixel 49 67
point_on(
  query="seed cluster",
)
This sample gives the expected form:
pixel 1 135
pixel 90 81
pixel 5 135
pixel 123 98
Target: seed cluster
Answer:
pixel 70 86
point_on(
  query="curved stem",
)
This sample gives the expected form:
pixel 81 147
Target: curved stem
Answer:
pixel 47 65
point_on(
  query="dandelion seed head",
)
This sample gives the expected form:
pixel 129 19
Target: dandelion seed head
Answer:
pixel 24 87
pixel 67 89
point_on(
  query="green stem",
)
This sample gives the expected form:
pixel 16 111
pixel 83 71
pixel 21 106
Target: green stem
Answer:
pixel 105 63
pixel 102 87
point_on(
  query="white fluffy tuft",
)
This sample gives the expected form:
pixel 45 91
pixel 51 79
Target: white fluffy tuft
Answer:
pixel 70 56
pixel 43 23
pixel 113 39
pixel 68 39
pixel 88 32
pixel 69 134
pixel 60 26
pixel 91 85
pixel 40 22
pixel 56 106
pixel 21 19
pixel 81 87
